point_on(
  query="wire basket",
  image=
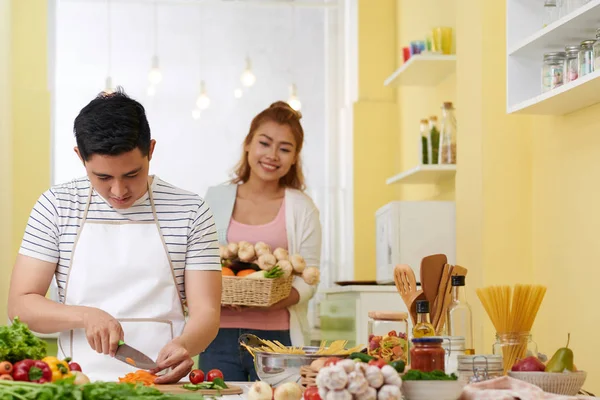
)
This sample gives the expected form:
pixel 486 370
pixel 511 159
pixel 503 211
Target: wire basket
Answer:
pixel 308 377
pixel 254 292
pixel 567 384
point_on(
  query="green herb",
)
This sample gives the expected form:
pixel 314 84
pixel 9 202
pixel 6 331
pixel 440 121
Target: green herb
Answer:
pixel 275 272
pixel 18 343
pixel 216 384
pixel 415 375
pixel 66 390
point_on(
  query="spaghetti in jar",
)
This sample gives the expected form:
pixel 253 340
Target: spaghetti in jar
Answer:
pixel 427 354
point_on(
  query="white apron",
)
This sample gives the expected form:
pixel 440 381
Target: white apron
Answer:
pixel 123 268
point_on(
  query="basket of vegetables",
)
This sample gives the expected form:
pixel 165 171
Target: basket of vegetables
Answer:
pixel 253 276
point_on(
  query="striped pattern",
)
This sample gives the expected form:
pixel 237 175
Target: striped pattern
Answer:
pixel 185 220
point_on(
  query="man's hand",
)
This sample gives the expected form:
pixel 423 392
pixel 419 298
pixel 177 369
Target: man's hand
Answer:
pixel 102 330
pixel 174 355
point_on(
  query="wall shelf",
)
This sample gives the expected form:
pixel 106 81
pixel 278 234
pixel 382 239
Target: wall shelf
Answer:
pixel 526 46
pixel 423 70
pixel 424 174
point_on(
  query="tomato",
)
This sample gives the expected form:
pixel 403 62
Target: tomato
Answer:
pixel 392 333
pixel 332 361
pixel 73 366
pixel 312 393
pixel 196 376
pixel 5 368
pixel 378 363
pixel 213 374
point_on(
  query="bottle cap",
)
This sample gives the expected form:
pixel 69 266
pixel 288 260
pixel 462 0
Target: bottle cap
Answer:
pixel 422 307
pixel 458 280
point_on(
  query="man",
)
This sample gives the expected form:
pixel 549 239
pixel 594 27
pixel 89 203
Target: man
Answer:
pixel 126 249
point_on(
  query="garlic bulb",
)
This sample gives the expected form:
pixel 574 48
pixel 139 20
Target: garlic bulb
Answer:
pixel 286 267
pixel 338 395
pixel 223 252
pixel 357 382
pixel 347 364
pixel 281 254
pixel 374 376
pixel 246 252
pixel 233 249
pixel 369 394
pixel 298 263
pixel 311 276
pixel 389 392
pixel 266 262
pixel 390 376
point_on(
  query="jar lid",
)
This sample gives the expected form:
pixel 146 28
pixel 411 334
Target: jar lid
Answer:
pixel 555 54
pixel 479 360
pixel 422 307
pixel 429 339
pixel 388 316
pixel 587 43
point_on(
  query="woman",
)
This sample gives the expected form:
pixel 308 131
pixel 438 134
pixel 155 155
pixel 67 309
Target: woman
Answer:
pixel 265 202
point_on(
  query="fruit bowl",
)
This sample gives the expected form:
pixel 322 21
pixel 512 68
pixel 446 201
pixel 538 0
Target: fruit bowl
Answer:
pixel 567 383
pixel 428 390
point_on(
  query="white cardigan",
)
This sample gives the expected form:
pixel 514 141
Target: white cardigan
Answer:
pixel 303 235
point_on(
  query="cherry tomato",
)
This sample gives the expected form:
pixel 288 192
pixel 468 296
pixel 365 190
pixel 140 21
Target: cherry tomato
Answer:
pixel 196 376
pixel 332 361
pixel 5 368
pixel 312 393
pixel 212 374
pixel 73 366
pixel 392 333
pixel 378 363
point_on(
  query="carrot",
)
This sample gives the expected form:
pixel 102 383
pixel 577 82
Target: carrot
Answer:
pixel 139 376
pixel 130 361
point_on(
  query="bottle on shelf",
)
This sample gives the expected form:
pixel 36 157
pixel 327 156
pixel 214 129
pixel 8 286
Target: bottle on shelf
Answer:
pixel 434 140
pixel 459 321
pixel 447 153
pixel 423 327
pixel 424 142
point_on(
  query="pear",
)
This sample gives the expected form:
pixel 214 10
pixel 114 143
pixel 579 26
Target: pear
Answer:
pixel 562 360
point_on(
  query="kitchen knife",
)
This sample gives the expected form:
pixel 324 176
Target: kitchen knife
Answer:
pixel 133 357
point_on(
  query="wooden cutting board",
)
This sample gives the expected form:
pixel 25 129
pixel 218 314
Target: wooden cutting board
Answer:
pixel 177 388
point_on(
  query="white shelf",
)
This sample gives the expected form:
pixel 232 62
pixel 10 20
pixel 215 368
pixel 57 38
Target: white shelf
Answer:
pixel 424 174
pixel 423 70
pixel 566 99
pixel 573 28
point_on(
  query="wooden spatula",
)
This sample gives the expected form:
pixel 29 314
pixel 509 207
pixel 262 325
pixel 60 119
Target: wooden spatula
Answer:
pixel 432 268
pixel 405 281
pixel 456 270
pixel 441 294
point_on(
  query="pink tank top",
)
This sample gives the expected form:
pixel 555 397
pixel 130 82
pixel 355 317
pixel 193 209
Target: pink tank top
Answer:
pixel 275 235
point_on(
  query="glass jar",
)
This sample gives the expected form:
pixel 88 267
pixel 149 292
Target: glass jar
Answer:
pixel 571 63
pixel 553 70
pixel 388 335
pixel 586 57
pixel 597 51
pixel 478 368
pixel 454 346
pixel 427 354
pixel 514 346
pixel 448 135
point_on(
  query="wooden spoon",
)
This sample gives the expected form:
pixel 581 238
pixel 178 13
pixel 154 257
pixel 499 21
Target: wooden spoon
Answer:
pixel 432 268
pixel 441 294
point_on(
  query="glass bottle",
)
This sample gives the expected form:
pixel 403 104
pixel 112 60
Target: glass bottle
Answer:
pixel 447 152
pixel 423 327
pixel 586 57
pixel 550 12
pixel 424 142
pixel 460 317
pixel 597 51
pixel 434 140
pixel 571 63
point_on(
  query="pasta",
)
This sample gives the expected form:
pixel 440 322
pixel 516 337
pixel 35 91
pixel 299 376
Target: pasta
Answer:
pixel 337 347
pixel 512 313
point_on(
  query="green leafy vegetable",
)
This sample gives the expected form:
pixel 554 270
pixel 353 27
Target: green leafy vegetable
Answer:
pixel 216 384
pixel 275 272
pixel 415 375
pixel 18 343
pixel 66 390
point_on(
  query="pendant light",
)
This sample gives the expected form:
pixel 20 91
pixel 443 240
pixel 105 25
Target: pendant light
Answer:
pixel 293 100
pixel 203 101
pixel 248 78
pixel 108 82
pixel 238 93
pixel 155 75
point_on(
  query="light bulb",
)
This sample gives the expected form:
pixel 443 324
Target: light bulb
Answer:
pixel 203 101
pixel 293 100
pixel 155 76
pixel 238 93
pixel 248 78
pixel 151 91
pixel 108 86
pixel 196 114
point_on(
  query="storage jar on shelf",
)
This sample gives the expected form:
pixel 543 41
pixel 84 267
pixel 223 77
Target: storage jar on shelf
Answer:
pixel 571 63
pixel 586 57
pixel 447 154
pixel 597 51
pixel 553 70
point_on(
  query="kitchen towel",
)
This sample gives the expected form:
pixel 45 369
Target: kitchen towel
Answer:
pixel 507 388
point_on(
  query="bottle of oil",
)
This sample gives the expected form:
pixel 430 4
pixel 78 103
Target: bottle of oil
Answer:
pixel 459 320
pixel 423 326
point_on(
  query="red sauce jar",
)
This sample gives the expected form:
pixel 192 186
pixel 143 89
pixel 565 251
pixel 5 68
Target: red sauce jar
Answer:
pixel 427 354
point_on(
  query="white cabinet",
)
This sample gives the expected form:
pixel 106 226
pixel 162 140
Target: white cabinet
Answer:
pixel 344 310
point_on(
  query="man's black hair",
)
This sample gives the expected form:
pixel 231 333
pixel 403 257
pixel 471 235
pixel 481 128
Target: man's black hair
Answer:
pixel 112 124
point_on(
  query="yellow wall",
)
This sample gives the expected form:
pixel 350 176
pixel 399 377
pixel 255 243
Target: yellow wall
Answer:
pixel 374 127
pixel 29 132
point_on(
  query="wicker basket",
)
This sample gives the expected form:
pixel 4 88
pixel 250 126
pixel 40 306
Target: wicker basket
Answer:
pixel 567 384
pixel 254 292
pixel 308 377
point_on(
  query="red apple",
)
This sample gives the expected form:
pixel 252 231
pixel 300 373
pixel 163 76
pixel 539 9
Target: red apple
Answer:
pixel 529 364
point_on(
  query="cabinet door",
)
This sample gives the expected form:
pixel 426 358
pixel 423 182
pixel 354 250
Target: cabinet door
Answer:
pixel 338 318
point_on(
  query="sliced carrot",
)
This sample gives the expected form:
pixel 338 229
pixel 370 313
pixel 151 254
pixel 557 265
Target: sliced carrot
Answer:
pixel 139 376
pixel 130 361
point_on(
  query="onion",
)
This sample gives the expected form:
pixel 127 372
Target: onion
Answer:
pixel 288 391
pixel 260 391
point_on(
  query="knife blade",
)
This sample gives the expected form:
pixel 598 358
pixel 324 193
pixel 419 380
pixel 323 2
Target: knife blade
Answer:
pixel 133 357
